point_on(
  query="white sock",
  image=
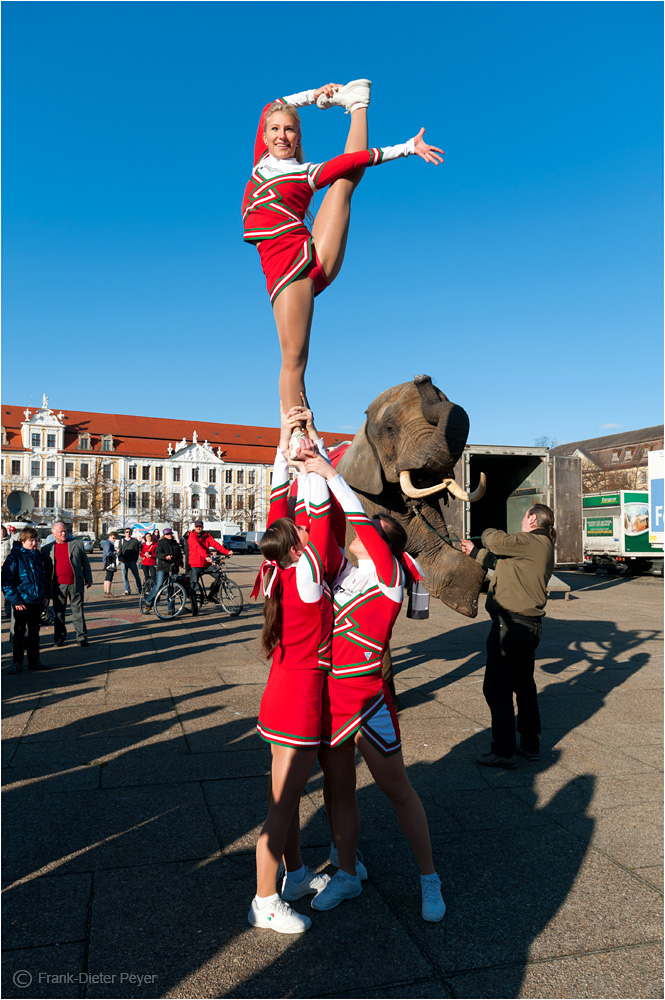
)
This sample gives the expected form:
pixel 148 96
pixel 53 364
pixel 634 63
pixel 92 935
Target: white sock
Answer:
pixel 298 875
pixel 263 901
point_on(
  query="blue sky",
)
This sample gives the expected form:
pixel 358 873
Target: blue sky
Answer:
pixel 524 275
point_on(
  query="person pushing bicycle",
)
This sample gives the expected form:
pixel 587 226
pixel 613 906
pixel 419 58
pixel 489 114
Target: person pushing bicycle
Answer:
pixel 199 544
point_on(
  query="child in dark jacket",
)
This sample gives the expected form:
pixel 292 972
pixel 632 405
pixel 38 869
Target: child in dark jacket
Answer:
pixel 25 587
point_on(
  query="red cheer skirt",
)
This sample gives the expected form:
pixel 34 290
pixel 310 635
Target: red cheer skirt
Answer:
pixel 288 257
pixel 290 713
pixel 359 704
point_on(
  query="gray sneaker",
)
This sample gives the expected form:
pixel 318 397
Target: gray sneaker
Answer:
pixel 493 760
pixel 340 887
pixel 433 904
pixel 361 871
pixel 309 886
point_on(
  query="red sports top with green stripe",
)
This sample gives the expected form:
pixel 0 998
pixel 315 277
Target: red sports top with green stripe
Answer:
pixel 306 601
pixel 291 706
pixel 367 598
pixel 278 195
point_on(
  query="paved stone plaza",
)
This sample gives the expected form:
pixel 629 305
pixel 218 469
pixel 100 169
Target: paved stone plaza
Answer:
pixel 135 786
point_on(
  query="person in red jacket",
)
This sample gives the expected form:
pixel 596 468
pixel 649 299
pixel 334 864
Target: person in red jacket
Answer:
pixel 148 557
pixel 199 544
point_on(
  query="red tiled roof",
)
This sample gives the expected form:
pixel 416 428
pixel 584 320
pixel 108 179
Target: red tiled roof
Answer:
pixel 148 437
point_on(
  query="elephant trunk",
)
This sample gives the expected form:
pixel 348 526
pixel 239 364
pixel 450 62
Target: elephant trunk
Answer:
pixel 448 440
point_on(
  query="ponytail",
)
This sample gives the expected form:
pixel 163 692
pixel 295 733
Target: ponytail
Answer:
pixel 276 545
pixel 544 519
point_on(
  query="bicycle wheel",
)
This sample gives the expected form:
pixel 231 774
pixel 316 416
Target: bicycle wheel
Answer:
pixel 231 597
pixel 169 600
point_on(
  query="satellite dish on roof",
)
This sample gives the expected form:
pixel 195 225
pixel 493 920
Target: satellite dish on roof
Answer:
pixel 19 504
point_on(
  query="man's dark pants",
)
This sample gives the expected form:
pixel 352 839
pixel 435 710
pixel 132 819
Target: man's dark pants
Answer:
pixel 29 620
pixel 511 648
pixel 61 594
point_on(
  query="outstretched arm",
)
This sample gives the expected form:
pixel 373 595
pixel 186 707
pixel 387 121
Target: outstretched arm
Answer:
pixel 387 568
pixel 326 173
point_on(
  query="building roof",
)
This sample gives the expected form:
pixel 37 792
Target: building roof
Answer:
pixel 600 450
pixel 149 437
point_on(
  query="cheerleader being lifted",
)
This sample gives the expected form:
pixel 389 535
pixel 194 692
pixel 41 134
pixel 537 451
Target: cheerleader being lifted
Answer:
pixel 298 264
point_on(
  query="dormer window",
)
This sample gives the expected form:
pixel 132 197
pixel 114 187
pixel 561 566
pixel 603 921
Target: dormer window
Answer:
pixel 107 442
pixel 3 435
pixel 83 442
pixel 615 456
pixel 629 453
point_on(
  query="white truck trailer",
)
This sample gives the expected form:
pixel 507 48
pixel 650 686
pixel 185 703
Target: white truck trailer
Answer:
pixel 616 532
pixel 518 477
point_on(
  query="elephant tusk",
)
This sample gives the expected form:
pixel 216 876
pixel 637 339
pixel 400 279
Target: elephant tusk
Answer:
pixel 448 484
pixel 412 491
pixel 461 494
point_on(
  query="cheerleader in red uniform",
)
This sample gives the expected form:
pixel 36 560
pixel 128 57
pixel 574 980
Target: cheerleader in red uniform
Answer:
pixel 357 704
pixel 297 635
pixel 299 264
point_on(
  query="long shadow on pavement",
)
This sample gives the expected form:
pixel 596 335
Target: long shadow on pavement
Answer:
pixel 134 827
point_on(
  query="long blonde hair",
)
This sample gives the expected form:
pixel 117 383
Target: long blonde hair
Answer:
pixel 292 111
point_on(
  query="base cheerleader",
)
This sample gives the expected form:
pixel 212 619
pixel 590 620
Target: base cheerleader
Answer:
pixel 296 636
pixel 357 706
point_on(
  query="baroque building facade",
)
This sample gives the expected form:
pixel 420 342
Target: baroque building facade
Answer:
pixel 98 471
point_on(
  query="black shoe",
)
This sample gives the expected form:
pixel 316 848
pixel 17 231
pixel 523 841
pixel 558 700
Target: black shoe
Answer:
pixel 16 668
pixel 39 666
pixel 529 754
pixel 59 642
pixel 493 760
pixel 83 642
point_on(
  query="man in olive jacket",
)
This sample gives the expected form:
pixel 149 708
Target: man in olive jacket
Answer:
pixel 523 563
pixel 68 572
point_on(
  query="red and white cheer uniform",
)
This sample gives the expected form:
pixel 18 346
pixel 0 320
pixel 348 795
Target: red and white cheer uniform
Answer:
pixel 367 600
pixel 277 197
pixel 290 713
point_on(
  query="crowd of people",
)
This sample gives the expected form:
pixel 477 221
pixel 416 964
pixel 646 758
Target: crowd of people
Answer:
pixel 59 573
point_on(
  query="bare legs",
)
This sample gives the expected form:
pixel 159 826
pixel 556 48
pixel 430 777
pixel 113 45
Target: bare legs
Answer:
pixel 390 775
pixel 290 771
pixel 293 307
pixel 339 791
pixel 331 226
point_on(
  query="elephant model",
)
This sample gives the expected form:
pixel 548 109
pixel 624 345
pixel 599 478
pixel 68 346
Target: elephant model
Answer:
pixel 401 462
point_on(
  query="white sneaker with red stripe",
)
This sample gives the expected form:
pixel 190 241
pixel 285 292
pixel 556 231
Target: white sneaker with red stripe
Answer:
pixel 351 96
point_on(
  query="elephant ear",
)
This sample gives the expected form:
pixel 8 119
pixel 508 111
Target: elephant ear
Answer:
pixel 360 465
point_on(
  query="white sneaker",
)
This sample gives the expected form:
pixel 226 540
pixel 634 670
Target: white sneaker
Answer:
pixel 361 871
pixel 433 904
pixel 310 885
pixel 340 887
pixel 352 95
pixel 278 916
pixel 294 443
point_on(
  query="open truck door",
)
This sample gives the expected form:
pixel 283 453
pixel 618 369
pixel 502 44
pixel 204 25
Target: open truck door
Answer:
pixel 567 507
